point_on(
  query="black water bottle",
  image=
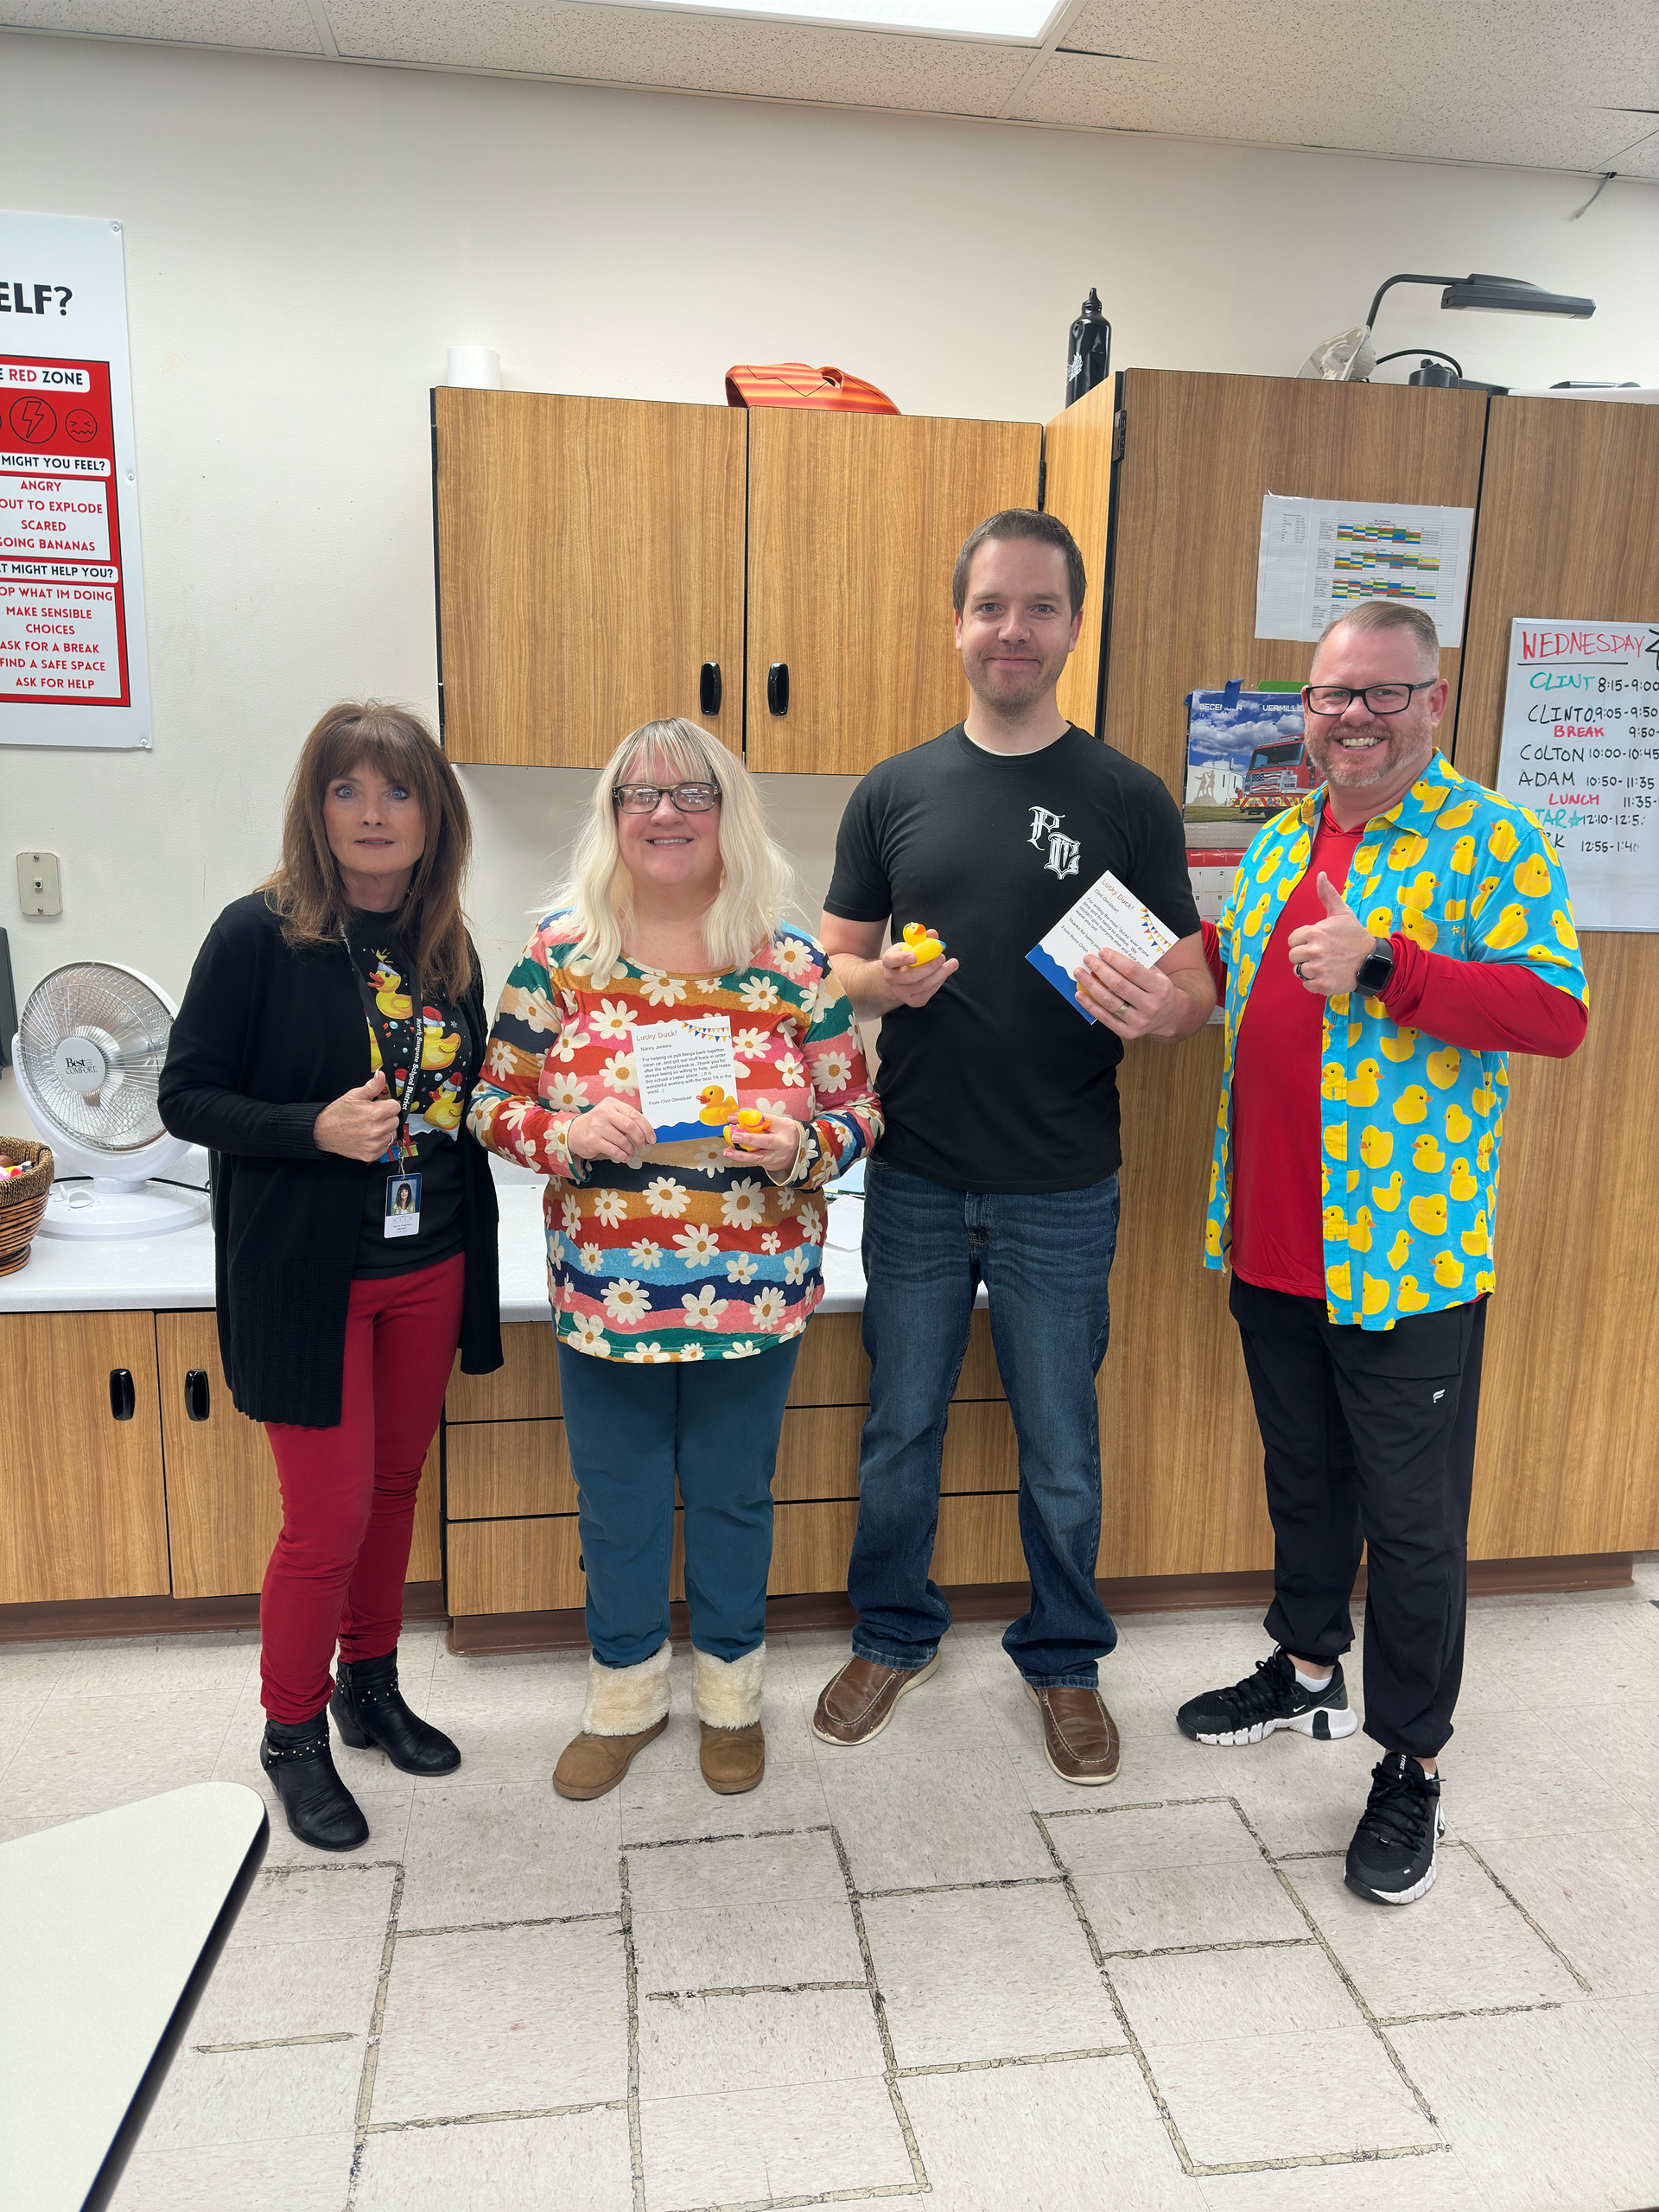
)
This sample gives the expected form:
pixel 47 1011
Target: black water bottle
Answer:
pixel 1089 352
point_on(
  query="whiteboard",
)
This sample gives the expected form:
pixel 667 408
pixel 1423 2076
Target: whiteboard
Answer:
pixel 1580 749
pixel 74 669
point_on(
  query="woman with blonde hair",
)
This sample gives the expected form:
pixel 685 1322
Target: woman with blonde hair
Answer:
pixel 333 1022
pixel 682 1267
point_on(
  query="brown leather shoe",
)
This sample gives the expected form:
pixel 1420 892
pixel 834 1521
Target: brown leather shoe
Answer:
pixel 858 1703
pixel 590 1765
pixel 1079 1736
pixel 733 1759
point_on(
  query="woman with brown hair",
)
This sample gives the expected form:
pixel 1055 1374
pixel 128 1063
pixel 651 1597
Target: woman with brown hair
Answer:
pixel 332 1028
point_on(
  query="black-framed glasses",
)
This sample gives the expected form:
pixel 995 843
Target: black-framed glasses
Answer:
pixel 1379 698
pixel 646 798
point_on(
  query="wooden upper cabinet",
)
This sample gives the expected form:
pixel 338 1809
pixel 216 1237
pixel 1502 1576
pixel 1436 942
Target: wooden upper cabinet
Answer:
pixel 82 1509
pixel 590 561
pixel 1078 489
pixel 855 522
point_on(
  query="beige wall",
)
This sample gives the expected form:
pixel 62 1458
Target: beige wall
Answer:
pixel 304 242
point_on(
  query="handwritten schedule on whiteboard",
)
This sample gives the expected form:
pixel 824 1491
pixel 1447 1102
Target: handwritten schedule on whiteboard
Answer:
pixel 1580 749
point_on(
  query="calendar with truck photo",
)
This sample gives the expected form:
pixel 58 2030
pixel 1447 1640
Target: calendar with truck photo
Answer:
pixel 1245 761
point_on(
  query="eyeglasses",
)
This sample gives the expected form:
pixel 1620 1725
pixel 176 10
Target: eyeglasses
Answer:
pixel 1379 698
pixel 646 798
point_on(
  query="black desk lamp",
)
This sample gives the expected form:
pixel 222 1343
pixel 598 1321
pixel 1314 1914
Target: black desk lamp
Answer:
pixel 1351 357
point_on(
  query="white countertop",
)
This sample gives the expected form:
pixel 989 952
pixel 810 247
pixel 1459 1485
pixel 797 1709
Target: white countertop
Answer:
pixel 72 1275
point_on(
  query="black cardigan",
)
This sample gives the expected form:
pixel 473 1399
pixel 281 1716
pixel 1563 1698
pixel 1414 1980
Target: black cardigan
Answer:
pixel 265 1039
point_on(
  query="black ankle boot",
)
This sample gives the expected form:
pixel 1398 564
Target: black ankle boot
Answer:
pixel 320 1809
pixel 368 1708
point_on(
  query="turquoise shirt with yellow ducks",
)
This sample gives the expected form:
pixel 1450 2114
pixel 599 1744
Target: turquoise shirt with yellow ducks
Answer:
pixel 1410 1127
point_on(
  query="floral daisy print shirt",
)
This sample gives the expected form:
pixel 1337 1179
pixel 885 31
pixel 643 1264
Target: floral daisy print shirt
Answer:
pixel 686 1255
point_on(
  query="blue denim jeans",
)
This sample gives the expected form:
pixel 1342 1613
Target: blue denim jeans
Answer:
pixel 631 1429
pixel 1045 1258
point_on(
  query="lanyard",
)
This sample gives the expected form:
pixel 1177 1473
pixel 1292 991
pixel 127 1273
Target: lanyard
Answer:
pixel 378 1024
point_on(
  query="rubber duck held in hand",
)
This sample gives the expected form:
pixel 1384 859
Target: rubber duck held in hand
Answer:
pixel 715 1105
pixel 924 943
pixel 746 1122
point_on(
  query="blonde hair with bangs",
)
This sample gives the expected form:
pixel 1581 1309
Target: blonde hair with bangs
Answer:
pixel 756 882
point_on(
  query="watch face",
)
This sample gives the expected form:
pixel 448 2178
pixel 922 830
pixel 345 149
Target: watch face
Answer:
pixel 1375 971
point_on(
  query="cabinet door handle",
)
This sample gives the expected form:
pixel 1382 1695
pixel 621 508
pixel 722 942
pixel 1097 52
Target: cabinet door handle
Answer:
pixel 778 687
pixel 124 1399
pixel 198 1403
pixel 708 688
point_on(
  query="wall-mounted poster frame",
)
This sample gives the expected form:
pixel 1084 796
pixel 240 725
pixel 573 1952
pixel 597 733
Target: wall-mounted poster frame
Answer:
pixel 73 669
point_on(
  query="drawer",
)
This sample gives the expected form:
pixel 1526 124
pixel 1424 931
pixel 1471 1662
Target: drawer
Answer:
pixel 503 1467
pixel 525 1388
pixel 515 1567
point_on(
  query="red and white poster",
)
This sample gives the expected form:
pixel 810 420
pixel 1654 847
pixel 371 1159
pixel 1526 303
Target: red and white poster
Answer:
pixel 72 647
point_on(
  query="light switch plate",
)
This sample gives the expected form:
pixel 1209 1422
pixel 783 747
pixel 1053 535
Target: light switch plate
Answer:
pixel 39 890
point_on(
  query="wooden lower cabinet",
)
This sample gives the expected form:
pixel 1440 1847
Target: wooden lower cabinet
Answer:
pixel 83 1510
pixel 223 1509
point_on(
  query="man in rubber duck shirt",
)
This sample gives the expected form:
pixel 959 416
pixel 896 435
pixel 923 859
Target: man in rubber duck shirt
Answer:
pixel 1389 942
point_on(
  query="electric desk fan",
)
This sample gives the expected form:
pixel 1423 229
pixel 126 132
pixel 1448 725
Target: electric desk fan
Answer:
pixel 88 1054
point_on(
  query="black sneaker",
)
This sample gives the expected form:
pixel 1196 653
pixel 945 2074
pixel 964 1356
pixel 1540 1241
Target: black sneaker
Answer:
pixel 1270 1698
pixel 1391 1859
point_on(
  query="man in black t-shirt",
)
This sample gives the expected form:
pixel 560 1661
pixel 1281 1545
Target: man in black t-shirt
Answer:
pixel 1000 1161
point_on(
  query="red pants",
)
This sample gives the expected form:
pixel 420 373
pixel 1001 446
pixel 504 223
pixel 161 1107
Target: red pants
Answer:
pixel 348 1492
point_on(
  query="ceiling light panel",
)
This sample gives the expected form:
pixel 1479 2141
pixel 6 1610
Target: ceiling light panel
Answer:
pixel 1025 21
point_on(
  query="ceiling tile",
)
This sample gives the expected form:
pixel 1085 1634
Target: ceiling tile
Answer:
pixel 268 26
pixel 1447 79
pixel 684 53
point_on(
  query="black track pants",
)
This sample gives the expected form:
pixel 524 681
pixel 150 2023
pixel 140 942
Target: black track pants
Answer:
pixel 1370 1438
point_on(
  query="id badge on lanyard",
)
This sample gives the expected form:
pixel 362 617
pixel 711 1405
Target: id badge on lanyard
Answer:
pixel 402 1204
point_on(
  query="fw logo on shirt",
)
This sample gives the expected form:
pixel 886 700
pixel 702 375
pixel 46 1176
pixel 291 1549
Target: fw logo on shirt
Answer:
pixel 1064 853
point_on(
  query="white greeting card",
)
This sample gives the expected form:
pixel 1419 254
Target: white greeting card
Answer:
pixel 687 1076
pixel 1106 915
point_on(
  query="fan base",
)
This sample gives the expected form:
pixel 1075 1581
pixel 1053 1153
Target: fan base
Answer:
pixel 146 1210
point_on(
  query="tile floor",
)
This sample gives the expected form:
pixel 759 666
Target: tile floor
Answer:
pixel 927 1974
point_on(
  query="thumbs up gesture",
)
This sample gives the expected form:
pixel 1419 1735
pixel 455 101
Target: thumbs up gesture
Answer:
pixel 1326 955
pixel 360 1124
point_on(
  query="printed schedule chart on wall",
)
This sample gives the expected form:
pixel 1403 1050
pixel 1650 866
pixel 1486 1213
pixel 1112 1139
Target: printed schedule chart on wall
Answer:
pixel 1581 750
pixel 72 638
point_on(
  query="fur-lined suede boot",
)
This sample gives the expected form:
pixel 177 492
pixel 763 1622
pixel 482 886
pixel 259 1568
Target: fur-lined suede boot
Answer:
pixel 627 1707
pixel 727 1693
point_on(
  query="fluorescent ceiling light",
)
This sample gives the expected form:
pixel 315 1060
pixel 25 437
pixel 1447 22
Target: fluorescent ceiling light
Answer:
pixel 1021 20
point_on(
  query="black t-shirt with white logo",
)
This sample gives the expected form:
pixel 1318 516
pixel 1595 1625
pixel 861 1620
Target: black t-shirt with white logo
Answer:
pixel 997 1083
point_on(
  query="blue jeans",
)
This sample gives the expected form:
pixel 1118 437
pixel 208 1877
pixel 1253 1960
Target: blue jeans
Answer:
pixel 631 1430
pixel 1045 1258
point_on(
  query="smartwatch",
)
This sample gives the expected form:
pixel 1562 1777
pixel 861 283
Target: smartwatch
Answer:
pixel 1376 968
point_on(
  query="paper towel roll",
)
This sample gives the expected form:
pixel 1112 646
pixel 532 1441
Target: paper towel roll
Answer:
pixel 478 366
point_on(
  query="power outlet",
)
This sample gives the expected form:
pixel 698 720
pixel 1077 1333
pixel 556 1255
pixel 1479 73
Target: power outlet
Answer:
pixel 39 888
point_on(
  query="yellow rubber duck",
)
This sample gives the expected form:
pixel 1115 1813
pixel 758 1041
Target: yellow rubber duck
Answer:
pixel 1458 1123
pixel 1359 1231
pixel 1212 1239
pixel 1564 931
pixel 1418 927
pixel 1335 1224
pixel 1441 1067
pixel 437 1050
pixel 388 997
pixel 1456 909
pixel 1412 1104
pixel 1399 1046
pixel 1509 929
pixel 1336 1141
pixel 1476 1241
pixel 1387 1195
pixel 1406 850
pixel 1361 1090
pixel 1463 856
pixel 1411 1300
pixel 715 1105
pixel 1355 1031
pixel 1333 1082
pixel 1455 816
pixel 1375 1146
pixel 1488 884
pixel 1339 1282
pixel 1254 919
pixel 1482 1101
pixel 1464 1185
pixel 1427 1156
pixel 1483 1151
pixel 1531 876
pixel 1364 860
pixel 924 943
pixel 1380 921
pixel 1400 1250
pixel 1427 1214
pixel 444 1112
pixel 1485 1281
pixel 1374 1295
pixel 1448 1272
pixel 1421 893
pixel 1353 1179
pixel 1430 797
pixel 1500 841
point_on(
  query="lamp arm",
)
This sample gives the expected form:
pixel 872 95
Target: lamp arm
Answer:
pixel 1371 318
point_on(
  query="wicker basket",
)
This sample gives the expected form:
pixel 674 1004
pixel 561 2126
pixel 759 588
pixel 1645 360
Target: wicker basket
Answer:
pixel 22 1200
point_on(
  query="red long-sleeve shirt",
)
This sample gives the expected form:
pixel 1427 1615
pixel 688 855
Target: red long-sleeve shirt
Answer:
pixel 1479 1006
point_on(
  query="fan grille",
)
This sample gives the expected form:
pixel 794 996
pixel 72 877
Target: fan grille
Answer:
pixel 129 1024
